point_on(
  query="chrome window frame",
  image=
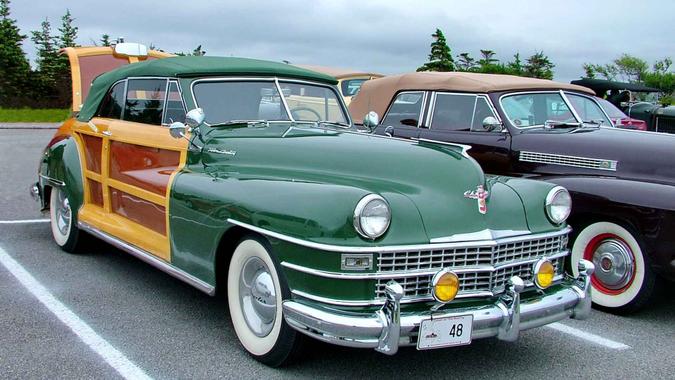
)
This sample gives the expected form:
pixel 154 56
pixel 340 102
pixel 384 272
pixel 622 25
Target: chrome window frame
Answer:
pixel 559 92
pixel 432 108
pixel 166 98
pixel 277 81
pixel 422 105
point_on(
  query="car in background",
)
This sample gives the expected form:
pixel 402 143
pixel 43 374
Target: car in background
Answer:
pixel 620 119
pixel 657 118
pixel 349 81
pixel 304 223
pixel 622 182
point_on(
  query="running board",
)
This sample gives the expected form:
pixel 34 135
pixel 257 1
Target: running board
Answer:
pixel 150 259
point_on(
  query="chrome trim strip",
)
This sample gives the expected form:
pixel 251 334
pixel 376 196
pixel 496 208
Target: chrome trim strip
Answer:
pixel 52 181
pixel 465 148
pixel 486 234
pixel 400 274
pixel 395 248
pixel 380 301
pixel 150 259
pixel 574 161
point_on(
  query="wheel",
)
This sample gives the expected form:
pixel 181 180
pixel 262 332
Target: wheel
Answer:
pixel 623 280
pixel 63 221
pixel 296 111
pixel 255 291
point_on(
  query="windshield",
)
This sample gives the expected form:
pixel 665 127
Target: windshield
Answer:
pixel 588 110
pixel 224 101
pixel 535 109
pixel 611 109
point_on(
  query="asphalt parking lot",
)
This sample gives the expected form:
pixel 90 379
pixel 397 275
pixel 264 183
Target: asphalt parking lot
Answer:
pixel 153 325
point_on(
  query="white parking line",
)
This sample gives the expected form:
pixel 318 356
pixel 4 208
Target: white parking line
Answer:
pixel 588 336
pixel 100 346
pixel 24 221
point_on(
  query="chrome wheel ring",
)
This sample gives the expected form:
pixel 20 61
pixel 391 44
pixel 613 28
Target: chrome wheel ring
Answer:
pixel 257 296
pixel 614 263
pixel 63 213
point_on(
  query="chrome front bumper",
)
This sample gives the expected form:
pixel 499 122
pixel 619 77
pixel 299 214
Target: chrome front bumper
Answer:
pixel 388 329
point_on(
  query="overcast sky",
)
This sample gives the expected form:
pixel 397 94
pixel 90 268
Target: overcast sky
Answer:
pixel 387 36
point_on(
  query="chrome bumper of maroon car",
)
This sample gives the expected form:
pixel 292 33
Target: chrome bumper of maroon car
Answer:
pixel 388 329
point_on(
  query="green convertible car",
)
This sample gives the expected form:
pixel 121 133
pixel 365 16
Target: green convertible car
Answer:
pixel 262 190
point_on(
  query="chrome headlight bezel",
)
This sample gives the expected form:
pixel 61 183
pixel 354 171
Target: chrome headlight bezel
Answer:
pixel 361 206
pixel 556 194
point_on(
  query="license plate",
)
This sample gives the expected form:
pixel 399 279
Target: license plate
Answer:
pixel 445 332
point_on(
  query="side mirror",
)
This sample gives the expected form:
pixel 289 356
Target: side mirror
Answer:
pixel 177 130
pixel 131 49
pixel 371 120
pixel 195 118
pixel 491 123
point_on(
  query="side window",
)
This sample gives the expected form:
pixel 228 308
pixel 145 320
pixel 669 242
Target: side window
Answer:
pixel 405 110
pixel 145 101
pixel 588 110
pixel 174 105
pixel 111 106
pixel 460 112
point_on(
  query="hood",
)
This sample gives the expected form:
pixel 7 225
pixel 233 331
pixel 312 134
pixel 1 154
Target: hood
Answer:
pixel 433 177
pixel 639 155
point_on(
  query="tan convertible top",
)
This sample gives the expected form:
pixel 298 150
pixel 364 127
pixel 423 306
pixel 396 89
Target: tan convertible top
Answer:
pixel 339 73
pixel 375 95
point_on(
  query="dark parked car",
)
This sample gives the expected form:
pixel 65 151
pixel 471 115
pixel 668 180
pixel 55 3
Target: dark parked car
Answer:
pixel 657 118
pixel 620 119
pixel 622 182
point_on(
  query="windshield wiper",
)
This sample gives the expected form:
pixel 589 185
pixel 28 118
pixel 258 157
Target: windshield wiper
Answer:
pixel 337 123
pixel 597 122
pixel 550 124
pixel 247 123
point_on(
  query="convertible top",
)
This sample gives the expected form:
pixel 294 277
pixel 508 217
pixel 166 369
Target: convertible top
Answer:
pixel 192 66
pixel 376 94
pixel 600 86
pixel 339 73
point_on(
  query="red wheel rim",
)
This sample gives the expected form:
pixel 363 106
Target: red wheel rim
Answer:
pixel 592 246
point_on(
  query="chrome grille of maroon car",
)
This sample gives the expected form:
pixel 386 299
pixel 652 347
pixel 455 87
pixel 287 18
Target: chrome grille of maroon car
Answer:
pixel 560 159
pixel 482 270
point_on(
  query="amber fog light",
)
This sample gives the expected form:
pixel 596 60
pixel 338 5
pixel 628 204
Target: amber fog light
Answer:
pixel 445 285
pixel 544 271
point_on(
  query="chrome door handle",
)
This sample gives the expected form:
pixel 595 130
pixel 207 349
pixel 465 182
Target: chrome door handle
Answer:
pixel 107 133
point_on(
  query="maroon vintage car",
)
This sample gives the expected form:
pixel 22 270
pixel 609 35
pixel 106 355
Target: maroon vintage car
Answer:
pixel 622 182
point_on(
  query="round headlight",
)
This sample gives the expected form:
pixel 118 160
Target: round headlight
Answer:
pixel 372 216
pixel 544 272
pixel 558 205
pixel 445 285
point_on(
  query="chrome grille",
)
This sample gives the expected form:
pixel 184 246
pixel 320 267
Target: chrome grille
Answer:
pixel 471 256
pixel 559 159
pixel 492 266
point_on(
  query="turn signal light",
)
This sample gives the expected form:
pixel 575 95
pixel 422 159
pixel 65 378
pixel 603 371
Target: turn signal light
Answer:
pixel 445 286
pixel 544 271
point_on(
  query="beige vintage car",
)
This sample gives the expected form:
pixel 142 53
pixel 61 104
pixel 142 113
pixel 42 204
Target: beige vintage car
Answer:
pixel 349 81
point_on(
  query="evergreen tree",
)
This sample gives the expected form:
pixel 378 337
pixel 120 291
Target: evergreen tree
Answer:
pixel 68 31
pixel 488 58
pixel 198 51
pixel 539 66
pixel 48 64
pixel 14 67
pixel 440 58
pixel 516 66
pixel 465 62
pixel 105 40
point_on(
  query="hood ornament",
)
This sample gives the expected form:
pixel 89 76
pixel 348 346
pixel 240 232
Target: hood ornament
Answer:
pixel 480 194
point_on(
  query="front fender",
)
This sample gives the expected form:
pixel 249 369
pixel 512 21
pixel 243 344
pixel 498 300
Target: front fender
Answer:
pixel 60 166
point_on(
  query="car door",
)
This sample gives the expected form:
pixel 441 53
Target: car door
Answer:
pixel 404 115
pixel 131 160
pixel 458 118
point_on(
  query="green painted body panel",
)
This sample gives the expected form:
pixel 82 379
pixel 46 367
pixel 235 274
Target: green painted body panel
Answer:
pixel 61 162
pixel 304 182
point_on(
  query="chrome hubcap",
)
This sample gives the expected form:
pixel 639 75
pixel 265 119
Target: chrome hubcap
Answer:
pixel 257 296
pixel 63 213
pixel 615 264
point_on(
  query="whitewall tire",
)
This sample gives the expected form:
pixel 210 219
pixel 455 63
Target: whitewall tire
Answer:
pixel 63 220
pixel 623 280
pixel 255 293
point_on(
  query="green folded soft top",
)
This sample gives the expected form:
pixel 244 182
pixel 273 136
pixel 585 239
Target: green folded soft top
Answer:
pixel 188 67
